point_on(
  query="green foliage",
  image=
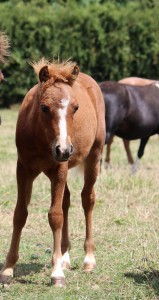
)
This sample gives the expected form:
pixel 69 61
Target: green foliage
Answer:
pixel 108 39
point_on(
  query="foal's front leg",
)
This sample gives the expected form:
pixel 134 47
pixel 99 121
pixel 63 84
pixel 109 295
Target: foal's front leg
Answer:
pixel 65 243
pixel 55 217
pixel 24 182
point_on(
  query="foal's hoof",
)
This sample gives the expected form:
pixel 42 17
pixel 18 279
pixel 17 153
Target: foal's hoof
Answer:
pixel 4 279
pixel 58 282
pixel 89 267
pixel 6 275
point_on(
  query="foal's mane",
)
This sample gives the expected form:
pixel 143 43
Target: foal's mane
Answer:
pixel 57 71
pixel 4 46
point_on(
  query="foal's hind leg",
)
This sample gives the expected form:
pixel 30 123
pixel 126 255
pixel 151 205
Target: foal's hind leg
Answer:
pixel 24 181
pixel 65 243
pixel 88 200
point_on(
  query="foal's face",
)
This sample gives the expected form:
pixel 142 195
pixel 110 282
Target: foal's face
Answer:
pixel 57 108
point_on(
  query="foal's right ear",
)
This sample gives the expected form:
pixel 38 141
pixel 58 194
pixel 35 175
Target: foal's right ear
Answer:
pixel 44 74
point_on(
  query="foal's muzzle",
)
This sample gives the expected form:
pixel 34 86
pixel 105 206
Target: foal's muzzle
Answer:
pixel 61 154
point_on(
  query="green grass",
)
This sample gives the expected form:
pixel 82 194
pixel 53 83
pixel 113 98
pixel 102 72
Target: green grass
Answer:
pixel 125 229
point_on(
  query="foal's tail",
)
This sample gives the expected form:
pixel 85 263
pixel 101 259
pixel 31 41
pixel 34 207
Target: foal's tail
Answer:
pixel 4 46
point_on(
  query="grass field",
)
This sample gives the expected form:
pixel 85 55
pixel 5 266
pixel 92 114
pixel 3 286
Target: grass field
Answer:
pixel 125 228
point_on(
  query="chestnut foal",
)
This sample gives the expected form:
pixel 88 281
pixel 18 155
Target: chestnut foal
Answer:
pixel 61 124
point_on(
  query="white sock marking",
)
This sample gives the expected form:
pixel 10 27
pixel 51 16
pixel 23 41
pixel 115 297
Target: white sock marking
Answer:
pixel 135 165
pixel 57 270
pixel 157 84
pixel 66 258
pixel 89 259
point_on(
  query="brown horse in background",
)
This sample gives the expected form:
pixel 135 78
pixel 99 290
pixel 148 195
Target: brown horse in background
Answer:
pixel 132 81
pixel 61 124
pixel 136 81
pixel 131 112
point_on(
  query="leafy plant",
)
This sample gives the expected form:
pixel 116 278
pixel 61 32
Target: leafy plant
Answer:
pixel 108 39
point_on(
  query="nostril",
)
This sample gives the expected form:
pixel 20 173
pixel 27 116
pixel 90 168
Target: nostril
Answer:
pixel 63 154
pixel 58 151
pixel 66 153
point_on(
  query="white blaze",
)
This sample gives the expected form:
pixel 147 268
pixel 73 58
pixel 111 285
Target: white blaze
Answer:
pixel 62 122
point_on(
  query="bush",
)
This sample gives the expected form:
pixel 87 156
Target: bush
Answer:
pixel 109 40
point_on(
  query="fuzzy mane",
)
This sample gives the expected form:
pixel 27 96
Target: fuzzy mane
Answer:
pixel 4 46
pixel 57 71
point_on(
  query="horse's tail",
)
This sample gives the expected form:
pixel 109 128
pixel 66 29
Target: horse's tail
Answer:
pixel 4 46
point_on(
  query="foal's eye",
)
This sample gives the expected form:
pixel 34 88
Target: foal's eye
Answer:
pixel 44 108
pixel 75 108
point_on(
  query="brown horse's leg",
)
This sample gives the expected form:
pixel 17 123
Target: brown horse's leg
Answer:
pixel 140 153
pixel 24 181
pixel 65 243
pixel 107 157
pixel 128 152
pixel 55 216
pixel 88 200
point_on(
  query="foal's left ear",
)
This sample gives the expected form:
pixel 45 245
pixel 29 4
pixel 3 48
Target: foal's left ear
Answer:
pixel 44 74
pixel 75 71
pixel 73 75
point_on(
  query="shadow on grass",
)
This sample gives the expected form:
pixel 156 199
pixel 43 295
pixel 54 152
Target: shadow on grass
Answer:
pixel 24 270
pixel 149 277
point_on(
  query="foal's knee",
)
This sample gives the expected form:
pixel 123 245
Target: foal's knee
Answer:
pixel 88 200
pixel 55 219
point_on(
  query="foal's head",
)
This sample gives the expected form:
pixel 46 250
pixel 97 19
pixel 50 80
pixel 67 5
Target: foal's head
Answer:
pixel 57 105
